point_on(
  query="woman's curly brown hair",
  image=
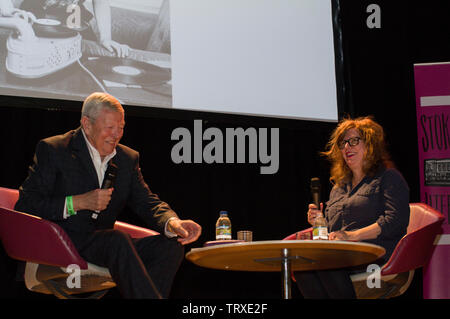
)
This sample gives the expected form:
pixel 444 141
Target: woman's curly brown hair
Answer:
pixel 372 134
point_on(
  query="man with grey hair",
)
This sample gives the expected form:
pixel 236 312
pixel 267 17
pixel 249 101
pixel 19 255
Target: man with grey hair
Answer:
pixel 64 186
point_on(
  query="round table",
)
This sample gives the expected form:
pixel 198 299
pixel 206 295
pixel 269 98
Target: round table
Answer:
pixel 285 256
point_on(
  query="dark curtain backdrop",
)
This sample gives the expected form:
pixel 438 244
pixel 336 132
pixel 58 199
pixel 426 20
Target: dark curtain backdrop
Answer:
pixel 378 73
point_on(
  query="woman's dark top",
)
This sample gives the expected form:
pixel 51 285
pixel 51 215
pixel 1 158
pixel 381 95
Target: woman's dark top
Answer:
pixel 383 198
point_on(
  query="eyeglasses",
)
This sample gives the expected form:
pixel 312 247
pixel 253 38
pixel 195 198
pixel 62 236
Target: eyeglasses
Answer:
pixel 352 141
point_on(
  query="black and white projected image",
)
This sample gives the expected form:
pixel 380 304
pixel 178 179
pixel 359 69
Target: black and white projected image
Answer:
pixel 273 58
pixel 67 49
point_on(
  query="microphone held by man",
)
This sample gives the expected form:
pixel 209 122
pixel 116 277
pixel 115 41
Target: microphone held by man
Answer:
pixel 108 183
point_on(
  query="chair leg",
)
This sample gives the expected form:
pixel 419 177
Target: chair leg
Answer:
pixel 391 286
pixel 60 293
pixel 389 291
pixel 399 286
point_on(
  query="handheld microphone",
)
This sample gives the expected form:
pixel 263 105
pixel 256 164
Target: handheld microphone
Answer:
pixel 315 191
pixel 108 182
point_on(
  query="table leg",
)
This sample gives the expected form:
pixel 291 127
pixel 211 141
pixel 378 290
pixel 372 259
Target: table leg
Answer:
pixel 286 267
pixel 286 274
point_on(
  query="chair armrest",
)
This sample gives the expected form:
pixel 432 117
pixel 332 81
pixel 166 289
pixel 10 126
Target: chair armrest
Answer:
pixel 302 235
pixel 413 250
pixel 30 238
pixel 134 231
pixel 8 197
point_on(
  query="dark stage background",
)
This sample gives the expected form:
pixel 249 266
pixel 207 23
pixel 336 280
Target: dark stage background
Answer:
pixel 378 72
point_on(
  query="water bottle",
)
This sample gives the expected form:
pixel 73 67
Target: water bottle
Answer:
pixel 320 227
pixel 223 226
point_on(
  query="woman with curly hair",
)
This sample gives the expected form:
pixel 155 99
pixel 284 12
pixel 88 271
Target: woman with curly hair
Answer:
pixel 369 201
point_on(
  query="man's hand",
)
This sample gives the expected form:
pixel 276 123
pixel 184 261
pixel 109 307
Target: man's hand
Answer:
pixel 96 200
pixel 7 9
pixel 188 231
pixel 120 50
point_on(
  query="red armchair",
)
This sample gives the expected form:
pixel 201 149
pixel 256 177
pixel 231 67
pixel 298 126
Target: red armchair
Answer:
pixel 49 252
pixel 411 252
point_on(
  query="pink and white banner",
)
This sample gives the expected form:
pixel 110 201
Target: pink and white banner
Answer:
pixel 432 84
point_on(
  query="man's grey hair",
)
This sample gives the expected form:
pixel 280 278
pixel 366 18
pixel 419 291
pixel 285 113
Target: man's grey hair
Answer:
pixel 96 102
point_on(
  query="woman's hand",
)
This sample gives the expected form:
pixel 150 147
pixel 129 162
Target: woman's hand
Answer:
pixel 369 232
pixel 342 235
pixel 313 211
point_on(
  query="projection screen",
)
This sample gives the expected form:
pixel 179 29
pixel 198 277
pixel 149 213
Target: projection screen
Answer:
pixel 271 58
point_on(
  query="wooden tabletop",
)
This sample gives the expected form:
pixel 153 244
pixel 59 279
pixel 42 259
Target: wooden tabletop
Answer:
pixel 303 255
